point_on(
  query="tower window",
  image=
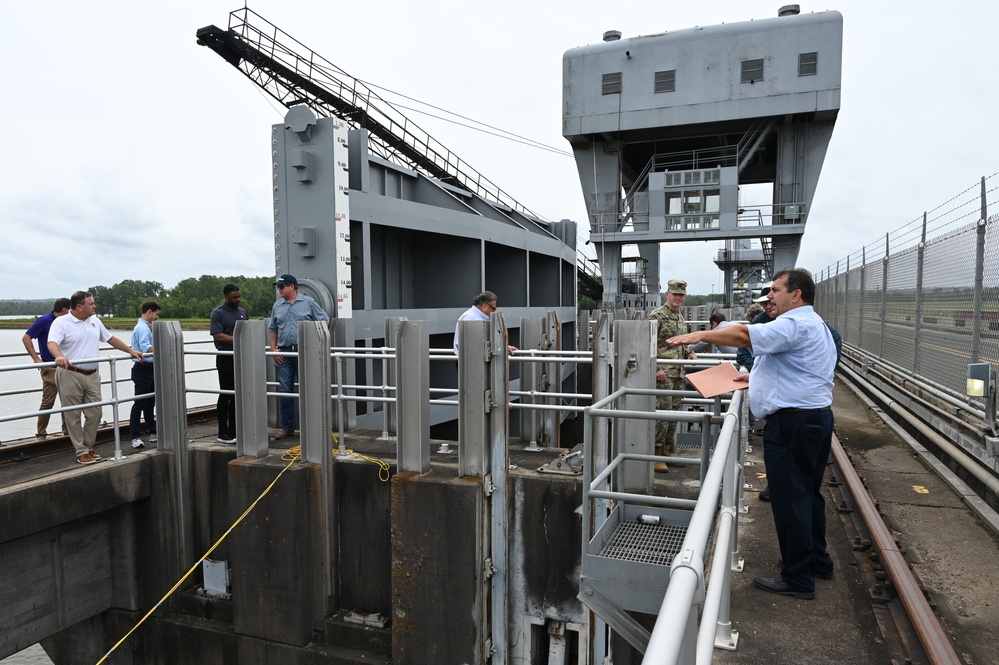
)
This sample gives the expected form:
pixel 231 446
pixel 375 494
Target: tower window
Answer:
pixel 665 81
pixel 612 84
pixel 808 64
pixel 752 71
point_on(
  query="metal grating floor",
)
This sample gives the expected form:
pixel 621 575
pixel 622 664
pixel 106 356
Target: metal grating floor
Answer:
pixel 644 543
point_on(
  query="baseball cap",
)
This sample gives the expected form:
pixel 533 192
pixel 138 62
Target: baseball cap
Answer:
pixel 677 286
pixel 764 292
pixel 286 279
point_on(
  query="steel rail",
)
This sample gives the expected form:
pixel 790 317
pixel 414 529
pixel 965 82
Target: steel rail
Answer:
pixel 928 629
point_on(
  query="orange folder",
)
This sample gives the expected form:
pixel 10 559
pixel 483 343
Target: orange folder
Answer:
pixel 718 380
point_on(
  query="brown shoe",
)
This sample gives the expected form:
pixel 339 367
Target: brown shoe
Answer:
pixel 661 467
pixel 96 455
pixel 86 458
pixel 286 433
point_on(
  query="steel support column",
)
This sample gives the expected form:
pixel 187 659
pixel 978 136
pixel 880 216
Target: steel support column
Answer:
pixel 315 401
pixel 918 316
pixel 412 360
pixel 532 379
pixel 342 335
pixel 884 300
pixel 496 486
pixel 315 405
pixel 171 411
pixel 553 379
pixel 635 367
pixel 976 320
pixel 251 363
pixel 391 413
pixel 474 398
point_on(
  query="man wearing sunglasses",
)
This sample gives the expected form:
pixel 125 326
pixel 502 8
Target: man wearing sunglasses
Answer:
pixel 483 305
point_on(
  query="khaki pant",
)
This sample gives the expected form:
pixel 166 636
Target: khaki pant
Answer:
pixel 49 394
pixel 76 388
pixel 666 430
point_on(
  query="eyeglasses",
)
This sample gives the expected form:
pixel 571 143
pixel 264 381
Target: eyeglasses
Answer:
pixel 280 285
pixel 492 305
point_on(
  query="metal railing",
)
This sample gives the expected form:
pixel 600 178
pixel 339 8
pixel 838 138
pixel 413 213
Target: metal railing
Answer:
pixel 607 510
pixel 375 392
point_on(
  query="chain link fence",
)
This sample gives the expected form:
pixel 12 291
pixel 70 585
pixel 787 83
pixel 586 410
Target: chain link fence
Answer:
pixel 930 306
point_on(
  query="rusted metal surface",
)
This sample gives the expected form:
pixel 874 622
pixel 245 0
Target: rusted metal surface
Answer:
pixel 916 613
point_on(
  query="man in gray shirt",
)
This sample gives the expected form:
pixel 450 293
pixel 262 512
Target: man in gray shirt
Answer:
pixel 282 333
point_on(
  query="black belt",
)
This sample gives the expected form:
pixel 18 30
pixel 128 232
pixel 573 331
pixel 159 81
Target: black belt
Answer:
pixel 791 409
pixel 293 347
pixel 85 372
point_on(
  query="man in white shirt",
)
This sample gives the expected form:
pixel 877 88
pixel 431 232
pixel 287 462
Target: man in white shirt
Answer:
pixel 74 342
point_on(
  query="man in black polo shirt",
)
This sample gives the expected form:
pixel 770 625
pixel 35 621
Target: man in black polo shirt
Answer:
pixel 224 318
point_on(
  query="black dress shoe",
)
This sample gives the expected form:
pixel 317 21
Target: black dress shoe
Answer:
pixel 286 433
pixel 778 586
pixel 765 494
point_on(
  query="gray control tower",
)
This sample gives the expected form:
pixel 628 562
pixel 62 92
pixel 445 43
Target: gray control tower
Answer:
pixel 666 128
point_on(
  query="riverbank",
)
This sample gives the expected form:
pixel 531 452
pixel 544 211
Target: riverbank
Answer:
pixel 118 324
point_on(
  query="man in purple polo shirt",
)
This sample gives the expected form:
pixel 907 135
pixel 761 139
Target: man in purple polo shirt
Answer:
pixel 40 330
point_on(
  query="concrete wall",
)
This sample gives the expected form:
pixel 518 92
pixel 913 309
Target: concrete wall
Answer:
pixel 87 553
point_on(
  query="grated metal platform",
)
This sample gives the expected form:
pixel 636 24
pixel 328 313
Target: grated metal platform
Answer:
pixel 657 544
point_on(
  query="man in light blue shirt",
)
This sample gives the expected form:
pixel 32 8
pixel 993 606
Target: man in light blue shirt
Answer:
pixel 282 333
pixel 142 376
pixel 483 305
pixel 791 385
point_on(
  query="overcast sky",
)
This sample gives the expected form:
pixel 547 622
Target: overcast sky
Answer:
pixel 131 152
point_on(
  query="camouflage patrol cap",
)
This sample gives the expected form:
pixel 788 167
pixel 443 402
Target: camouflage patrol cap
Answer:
pixel 677 286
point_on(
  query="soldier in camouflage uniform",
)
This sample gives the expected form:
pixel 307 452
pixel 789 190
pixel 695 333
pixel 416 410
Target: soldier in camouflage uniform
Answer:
pixel 670 377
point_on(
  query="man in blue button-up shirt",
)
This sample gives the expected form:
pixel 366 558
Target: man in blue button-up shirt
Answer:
pixel 282 332
pixel 791 385
pixel 142 376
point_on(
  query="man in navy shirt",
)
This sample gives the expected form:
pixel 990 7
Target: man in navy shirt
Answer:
pixel 40 330
pixel 223 326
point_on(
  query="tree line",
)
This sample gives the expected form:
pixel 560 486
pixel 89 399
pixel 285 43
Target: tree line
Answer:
pixel 191 298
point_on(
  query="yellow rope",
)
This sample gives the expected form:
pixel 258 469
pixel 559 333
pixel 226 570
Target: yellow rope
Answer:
pixel 384 469
pixel 291 456
pixel 218 542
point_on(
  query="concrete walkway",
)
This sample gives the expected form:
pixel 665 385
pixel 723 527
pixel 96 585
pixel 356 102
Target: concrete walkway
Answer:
pixel 952 553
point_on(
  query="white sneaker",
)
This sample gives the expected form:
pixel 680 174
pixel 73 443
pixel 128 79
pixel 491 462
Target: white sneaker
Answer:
pixel 152 438
pixel 222 440
pixel 137 443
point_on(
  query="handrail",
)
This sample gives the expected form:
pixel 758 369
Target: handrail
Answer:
pixel 340 395
pixel 687 571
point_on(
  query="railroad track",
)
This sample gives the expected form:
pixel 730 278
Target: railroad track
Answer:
pixel 905 613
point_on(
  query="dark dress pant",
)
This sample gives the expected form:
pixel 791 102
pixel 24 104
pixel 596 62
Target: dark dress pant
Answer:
pixel 143 378
pixel 796 448
pixel 226 404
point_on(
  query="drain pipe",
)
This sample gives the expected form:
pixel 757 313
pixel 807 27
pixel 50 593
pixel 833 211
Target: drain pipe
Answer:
pixel 955 452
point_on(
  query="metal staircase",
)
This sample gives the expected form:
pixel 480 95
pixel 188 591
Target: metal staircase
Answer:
pixel 294 74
